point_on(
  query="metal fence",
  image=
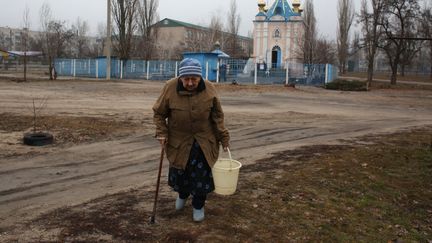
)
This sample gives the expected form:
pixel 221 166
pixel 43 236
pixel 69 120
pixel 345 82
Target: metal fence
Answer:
pixel 227 70
pixel 242 71
pixel 420 67
pixel 131 69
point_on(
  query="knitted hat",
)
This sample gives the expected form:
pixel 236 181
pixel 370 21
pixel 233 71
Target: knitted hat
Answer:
pixel 190 66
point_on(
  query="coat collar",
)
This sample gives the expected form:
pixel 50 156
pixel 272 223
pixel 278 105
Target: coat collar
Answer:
pixel 182 91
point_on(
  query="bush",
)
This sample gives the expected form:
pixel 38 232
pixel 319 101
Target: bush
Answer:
pixel 347 85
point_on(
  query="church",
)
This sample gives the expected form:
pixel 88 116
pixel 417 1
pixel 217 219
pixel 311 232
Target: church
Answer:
pixel 278 33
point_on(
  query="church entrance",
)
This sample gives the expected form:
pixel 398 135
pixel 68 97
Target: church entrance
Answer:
pixel 276 57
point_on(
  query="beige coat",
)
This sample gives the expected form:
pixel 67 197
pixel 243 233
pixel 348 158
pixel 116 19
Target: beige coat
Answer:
pixel 182 116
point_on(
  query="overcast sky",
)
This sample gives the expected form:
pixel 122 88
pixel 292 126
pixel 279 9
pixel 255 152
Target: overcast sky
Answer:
pixel 191 11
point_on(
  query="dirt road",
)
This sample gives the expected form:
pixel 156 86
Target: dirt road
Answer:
pixel 261 120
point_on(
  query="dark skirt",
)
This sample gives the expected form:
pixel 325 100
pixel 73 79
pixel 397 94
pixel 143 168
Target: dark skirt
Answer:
pixel 197 178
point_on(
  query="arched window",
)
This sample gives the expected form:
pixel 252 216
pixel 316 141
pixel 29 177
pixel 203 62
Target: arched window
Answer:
pixel 277 33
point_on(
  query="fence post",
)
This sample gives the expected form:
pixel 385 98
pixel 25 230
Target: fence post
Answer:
pixel 287 74
pixel 256 72
pixel 89 66
pixel 71 67
pixel 326 73
pixel 176 69
pixel 74 68
pixel 143 66
pixel 207 67
pixel 217 72
pixel 97 68
pixel 118 68
pixel 121 69
pixel 148 69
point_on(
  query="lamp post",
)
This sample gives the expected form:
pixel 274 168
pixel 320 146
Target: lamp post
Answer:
pixel 108 42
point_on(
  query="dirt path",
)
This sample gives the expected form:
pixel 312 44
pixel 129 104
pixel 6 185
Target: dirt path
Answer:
pixel 261 121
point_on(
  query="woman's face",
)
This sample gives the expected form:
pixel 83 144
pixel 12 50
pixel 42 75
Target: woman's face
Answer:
pixel 190 82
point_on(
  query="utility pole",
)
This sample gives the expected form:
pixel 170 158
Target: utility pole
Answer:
pixel 108 42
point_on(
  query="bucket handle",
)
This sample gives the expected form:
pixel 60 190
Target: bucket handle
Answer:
pixel 230 157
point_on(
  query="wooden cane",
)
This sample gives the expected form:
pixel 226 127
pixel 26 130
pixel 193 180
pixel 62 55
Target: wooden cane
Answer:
pixel 152 220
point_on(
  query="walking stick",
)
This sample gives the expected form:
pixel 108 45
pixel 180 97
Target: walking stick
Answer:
pixel 152 220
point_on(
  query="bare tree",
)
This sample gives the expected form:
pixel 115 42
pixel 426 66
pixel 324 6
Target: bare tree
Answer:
pixel 80 29
pixel 216 31
pixel 60 38
pixel 25 37
pixel 345 20
pixel 233 25
pixel 325 52
pixel 412 49
pixel 310 40
pixel 426 29
pixel 147 16
pixel 98 48
pixel 400 17
pixel 125 25
pixel 45 19
pixel 355 49
pixel 372 33
pixel 197 40
pixel 249 50
pixel 55 37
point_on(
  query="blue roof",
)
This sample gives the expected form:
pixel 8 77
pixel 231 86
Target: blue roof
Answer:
pixel 282 8
pixel 261 14
pixel 221 54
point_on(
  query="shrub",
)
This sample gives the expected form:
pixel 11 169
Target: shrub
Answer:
pixel 347 85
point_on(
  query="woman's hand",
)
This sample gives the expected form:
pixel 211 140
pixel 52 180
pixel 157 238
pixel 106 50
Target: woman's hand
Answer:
pixel 162 140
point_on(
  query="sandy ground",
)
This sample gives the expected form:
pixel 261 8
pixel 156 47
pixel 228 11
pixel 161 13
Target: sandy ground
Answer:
pixel 262 121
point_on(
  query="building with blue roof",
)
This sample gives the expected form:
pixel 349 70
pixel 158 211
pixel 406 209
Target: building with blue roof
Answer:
pixel 278 33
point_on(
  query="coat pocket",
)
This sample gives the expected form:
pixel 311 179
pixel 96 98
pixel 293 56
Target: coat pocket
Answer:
pixel 174 142
pixel 173 149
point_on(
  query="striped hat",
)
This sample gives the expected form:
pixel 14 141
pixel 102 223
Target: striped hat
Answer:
pixel 190 66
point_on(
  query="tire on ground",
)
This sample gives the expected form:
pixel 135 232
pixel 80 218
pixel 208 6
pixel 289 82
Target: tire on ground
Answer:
pixel 38 139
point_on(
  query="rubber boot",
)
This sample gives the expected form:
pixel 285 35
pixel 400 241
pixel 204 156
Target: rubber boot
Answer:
pixel 180 203
pixel 198 214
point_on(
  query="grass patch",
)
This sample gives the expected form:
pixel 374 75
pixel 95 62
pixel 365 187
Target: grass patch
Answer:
pixel 371 194
pixel 348 193
pixel 346 85
pixel 70 129
pixel 399 86
pixel 415 78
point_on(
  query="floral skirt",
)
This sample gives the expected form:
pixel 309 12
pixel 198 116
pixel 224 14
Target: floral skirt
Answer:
pixel 197 178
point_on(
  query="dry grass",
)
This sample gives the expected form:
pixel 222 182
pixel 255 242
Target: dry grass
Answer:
pixel 415 78
pixel 70 129
pixel 378 192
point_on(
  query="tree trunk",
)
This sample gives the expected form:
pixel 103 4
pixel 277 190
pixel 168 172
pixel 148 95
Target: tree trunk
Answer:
pixel 403 70
pixel 343 68
pixel 50 69
pixel 393 75
pixel 369 74
pixel 430 46
pixel 25 66
pixel 431 70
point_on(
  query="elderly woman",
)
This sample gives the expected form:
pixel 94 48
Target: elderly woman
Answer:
pixel 190 123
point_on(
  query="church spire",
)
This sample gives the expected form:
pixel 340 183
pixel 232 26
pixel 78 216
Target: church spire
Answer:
pixel 296 6
pixel 261 5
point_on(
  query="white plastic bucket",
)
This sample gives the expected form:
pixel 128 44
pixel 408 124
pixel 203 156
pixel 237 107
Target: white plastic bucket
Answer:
pixel 225 175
